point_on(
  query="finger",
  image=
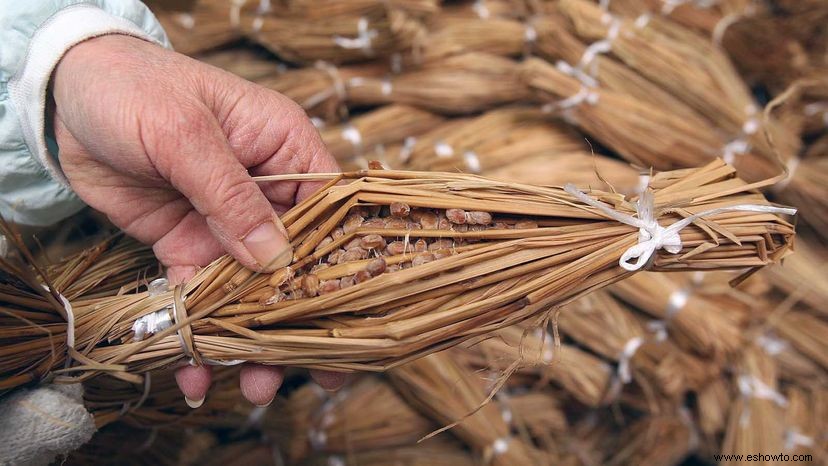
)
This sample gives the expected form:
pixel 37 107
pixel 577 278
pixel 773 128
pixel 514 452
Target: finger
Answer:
pixel 259 384
pixel 301 152
pixel 186 246
pixel 178 274
pixel 194 381
pixel 277 141
pixel 188 148
pixel 330 381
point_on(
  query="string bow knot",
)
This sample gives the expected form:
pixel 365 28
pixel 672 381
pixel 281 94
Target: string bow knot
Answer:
pixel 651 235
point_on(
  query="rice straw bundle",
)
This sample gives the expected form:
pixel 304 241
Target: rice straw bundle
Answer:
pixel 603 325
pixel 368 416
pixel 388 124
pixel 490 9
pixel 642 133
pixel 806 332
pixel 689 66
pixel 694 14
pixel 433 452
pixel 124 444
pixel 801 432
pixel 581 374
pixel 301 408
pixel 490 141
pixel 696 324
pixel 541 413
pixel 578 168
pixel 244 62
pixel 806 187
pixel 804 276
pixel 208 25
pixel 158 402
pixel 321 90
pixel 712 404
pixel 557 42
pixel 461 84
pixel 754 425
pixel 338 38
pixel 448 393
pixel 368 290
pixel 315 9
pixel 659 440
pixel 452 35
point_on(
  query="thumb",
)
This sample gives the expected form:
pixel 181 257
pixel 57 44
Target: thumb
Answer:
pixel 198 161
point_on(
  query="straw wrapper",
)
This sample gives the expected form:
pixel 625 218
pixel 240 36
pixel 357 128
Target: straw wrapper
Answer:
pixel 391 267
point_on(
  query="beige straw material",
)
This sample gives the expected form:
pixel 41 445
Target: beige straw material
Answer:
pixel 315 9
pixel 461 84
pixel 432 452
pixel 339 38
pixel 249 64
pixel 581 374
pixel 497 139
pixel 755 420
pixel 207 25
pixel 644 134
pixel 388 124
pixel 367 415
pixel 664 440
pixel 697 324
pixel 689 66
pixel 448 393
pixel 603 325
pixel 321 90
pixel 579 168
pixel 804 276
pixel 390 267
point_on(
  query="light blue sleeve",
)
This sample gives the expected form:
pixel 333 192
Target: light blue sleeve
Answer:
pixel 34 35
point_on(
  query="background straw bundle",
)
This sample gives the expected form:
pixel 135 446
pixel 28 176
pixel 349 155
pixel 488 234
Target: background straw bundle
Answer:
pixel 543 93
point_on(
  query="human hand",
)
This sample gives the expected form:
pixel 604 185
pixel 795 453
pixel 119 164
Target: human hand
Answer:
pixel 165 146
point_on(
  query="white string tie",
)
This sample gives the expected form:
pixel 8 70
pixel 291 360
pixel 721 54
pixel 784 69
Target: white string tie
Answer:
pixel 642 21
pixel 676 302
pixel 586 93
pixel 472 161
pixel 481 9
pixel 773 346
pixel 752 387
pixel 443 149
pixel 396 63
pixel 186 20
pixel 651 235
pixel 601 46
pixel 630 347
pixel 70 323
pixel 407 148
pixel 733 148
pixel 351 134
pixel 386 87
pixel 363 39
pixel 794 438
pixel 4 246
pixel 501 445
pixel 336 460
pixel 659 328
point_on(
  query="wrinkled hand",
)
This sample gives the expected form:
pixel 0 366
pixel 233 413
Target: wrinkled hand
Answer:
pixel 165 146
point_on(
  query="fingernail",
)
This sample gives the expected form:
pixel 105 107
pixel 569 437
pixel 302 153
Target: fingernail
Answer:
pixel 266 404
pixel 269 246
pixel 194 403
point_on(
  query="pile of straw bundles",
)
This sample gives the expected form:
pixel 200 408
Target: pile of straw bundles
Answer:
pixel 519 177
